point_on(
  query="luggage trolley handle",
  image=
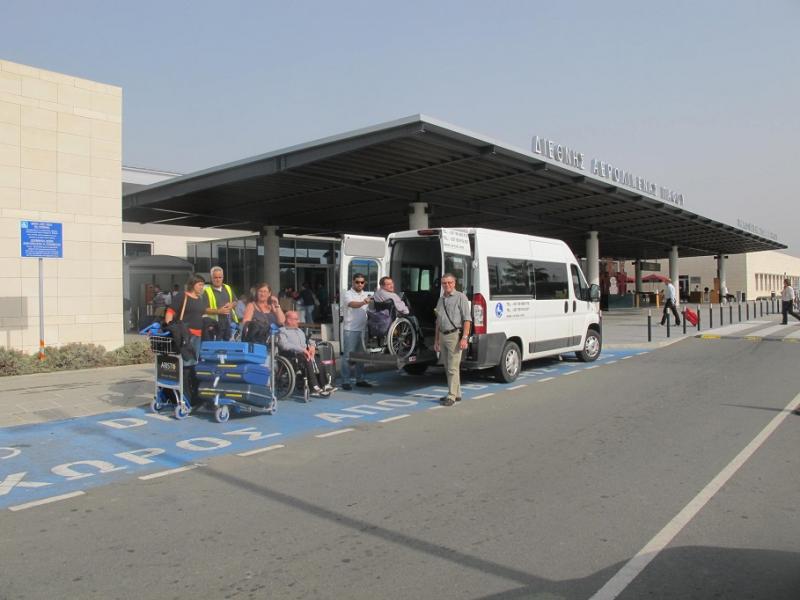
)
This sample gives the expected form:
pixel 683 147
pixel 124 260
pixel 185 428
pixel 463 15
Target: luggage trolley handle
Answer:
pixel 273 345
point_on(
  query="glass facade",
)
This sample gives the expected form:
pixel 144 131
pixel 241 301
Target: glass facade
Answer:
pixel 302 260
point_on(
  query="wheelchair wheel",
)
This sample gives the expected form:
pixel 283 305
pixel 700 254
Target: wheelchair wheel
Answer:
pixel 402 338
pixel 284 377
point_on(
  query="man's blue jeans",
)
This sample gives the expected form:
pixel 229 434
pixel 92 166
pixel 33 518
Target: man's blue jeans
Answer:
pixel 351 342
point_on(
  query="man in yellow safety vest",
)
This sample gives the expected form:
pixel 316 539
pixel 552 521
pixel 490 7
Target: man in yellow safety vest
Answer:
pixel 220 302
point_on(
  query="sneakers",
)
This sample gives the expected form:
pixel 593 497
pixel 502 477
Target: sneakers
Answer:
pixel 364 383
pixel 447 401
pixel 318 392
pixel 329 388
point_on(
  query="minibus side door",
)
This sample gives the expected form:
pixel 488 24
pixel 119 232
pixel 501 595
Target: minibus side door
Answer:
pixel 360 254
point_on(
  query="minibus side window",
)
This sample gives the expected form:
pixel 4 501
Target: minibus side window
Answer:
pixel 508 277
pixel 579 285
pixel 459 266
pixel 551 280
pixel 367 267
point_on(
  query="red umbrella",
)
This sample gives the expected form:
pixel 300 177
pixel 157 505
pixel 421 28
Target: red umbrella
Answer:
pixel 655 278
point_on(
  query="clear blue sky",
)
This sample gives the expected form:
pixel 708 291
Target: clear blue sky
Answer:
pixel 702 97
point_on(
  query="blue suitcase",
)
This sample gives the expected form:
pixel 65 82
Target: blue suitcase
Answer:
pixel 233 373
pixel 254 395
pixel 234 352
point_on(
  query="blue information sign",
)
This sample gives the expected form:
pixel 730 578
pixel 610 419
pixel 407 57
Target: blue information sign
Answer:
pixel 40 239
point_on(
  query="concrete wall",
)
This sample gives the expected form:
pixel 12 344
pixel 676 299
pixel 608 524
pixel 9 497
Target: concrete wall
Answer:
pixel 60 160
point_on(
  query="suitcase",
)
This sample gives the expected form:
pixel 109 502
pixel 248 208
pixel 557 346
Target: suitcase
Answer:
pixel 254 395
pixel 233 373
pixel 234 352
pixel 691 316
pixel 326 356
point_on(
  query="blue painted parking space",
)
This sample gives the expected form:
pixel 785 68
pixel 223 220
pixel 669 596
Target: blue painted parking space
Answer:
pixel 61 457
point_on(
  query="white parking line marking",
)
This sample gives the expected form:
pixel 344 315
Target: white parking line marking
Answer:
pixel 615 586
pixel 483 396
pixel 571 373
pixel 394 418
pixel 516 387
pixel 546 379
pixel 610 362
pixel 336 432
pixel 626 357
pixel 161 417
pixel 421 395
pixel 436 407
pixel 259 450
pixel 45 501
pixel 641 353
pixel 593 367
pixel 158 474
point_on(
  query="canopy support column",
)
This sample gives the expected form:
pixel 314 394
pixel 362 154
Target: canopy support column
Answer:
pixel 593 258
pixel 637 268
pixel 272 250
pixel 418 215
pixel 673 266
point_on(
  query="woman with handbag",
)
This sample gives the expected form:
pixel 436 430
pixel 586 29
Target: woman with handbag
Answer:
pixel 265 310
pixel 184 319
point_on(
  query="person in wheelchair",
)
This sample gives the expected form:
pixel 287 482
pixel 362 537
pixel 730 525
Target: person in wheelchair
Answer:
pixel 386 293
pixel 293 344
pixel 390 323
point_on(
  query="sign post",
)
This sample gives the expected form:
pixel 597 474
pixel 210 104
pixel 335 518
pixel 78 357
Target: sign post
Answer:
pixel 41 239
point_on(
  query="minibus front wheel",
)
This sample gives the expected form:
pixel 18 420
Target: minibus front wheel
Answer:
pixel 507 370
pixel 591 347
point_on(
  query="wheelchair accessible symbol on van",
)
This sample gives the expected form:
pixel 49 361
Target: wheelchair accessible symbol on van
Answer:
pixel 498 310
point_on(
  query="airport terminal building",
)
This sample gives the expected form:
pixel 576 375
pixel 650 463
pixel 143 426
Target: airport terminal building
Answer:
pixel 278 216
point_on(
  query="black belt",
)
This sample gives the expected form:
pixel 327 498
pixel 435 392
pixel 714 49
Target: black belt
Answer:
pixel 449 331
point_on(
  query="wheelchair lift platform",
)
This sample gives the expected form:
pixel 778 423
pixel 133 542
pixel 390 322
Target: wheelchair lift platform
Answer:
pixel 384 359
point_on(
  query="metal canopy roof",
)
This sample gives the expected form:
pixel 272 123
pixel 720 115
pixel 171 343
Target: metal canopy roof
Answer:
pixel 363 181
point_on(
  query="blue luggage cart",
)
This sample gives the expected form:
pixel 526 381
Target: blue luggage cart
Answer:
pixel 237 377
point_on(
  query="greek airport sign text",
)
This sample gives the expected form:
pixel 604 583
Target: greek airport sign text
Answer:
pixel 600 168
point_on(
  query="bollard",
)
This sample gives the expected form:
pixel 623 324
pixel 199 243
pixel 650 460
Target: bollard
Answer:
pixel 761 307
pixel 747 310
pixel 698 317
pixel 684 321
pixel 649 325
pixel 669 320
pixel 740 312
pixel 710 316
pixel 730 314
pixel 721 320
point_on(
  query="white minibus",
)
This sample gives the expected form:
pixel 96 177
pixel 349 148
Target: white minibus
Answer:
pixel 529 296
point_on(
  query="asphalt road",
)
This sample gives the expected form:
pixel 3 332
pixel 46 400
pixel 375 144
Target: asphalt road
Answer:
pixel 545 491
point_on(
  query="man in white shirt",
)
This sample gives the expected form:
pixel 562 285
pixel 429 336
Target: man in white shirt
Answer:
pixel 669 303
pixel 787 302
pixel 355 321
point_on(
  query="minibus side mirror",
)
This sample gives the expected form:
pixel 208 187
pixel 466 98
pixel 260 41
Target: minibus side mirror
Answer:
pixel 594 293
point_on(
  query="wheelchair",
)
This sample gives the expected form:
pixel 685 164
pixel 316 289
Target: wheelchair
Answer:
pixel 290 374
pixel 388 332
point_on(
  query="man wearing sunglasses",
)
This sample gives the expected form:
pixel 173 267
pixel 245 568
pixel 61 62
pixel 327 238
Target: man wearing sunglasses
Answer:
pixel 355 321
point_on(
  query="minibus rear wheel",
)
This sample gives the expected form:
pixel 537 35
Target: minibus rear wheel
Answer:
pixel 507 370
pixel 591 347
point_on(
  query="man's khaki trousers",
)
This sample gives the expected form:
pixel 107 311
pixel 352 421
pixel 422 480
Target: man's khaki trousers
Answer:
pixel 451 359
